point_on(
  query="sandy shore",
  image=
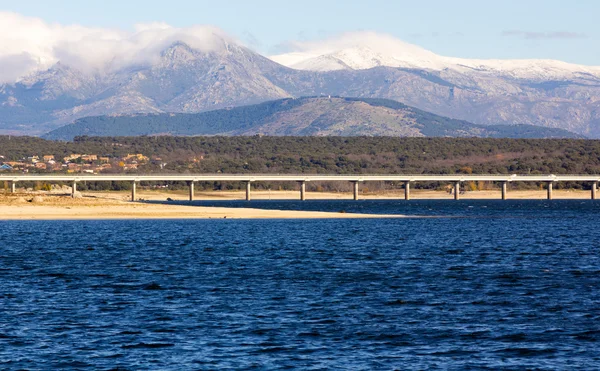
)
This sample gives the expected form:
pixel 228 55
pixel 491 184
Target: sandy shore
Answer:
pixel 45 212
pixel 112 206
pixel 116 205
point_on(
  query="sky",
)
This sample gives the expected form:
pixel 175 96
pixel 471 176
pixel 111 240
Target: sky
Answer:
pixel 523 29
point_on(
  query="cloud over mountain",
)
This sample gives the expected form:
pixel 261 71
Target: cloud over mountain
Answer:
pixel 157 68
pixel 366 50
pixel 30 44
pixel 380 46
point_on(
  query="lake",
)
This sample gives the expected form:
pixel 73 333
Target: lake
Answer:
pixel 483 285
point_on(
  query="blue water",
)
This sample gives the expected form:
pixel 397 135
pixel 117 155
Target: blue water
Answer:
pixel 464 208
pixel 513 285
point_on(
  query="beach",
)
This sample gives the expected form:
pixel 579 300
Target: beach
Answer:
pixel 114 205
pixel 117 204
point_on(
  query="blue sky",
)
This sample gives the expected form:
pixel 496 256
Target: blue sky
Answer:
pixel 463 28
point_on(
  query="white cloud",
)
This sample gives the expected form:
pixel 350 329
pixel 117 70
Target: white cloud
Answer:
pixel 30 44
pixel 16 65
pixel 378 42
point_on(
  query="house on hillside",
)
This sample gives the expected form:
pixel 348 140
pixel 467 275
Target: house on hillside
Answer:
pixel 6 167
pixel 16 165
pixel 48 158
pixel 73 168
pixel 137 156
pixel 71 157
pixel 89 158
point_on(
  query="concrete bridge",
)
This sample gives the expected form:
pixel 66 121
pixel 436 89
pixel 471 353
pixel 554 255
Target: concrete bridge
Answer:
pixel 302 179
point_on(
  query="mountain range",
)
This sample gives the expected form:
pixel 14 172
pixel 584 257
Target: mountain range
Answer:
pixel 544 93
pixel 309 116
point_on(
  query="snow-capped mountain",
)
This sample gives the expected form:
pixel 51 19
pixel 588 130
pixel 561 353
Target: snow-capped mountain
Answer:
pixel 182 79
pixel 187 77
pixel 361 51
pixel 362 55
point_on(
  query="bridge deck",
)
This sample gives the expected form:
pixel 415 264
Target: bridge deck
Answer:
pixel 301 178
pixel 456 179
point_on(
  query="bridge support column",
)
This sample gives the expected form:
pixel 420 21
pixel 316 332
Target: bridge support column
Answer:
pixel 407 191
pixel 133 190
pixel 74 188
pixel 355 184
pixel 191 191
pixel 302 191
pixel 248 189
pixel 549 190
pixel 504 190
pixel 13 187
pixel 594 190
pixel 457 191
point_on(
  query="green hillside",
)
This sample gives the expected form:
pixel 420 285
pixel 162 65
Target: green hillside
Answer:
pixel 329 155
pixel 311 116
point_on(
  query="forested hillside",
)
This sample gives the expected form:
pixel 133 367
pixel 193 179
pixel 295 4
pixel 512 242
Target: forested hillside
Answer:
pixel 335 155
pixel 312 116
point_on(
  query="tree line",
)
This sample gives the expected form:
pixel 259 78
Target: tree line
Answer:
pixel 329 155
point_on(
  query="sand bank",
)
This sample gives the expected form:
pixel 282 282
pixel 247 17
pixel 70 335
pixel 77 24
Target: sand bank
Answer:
pixel 116 205
pixel 26 207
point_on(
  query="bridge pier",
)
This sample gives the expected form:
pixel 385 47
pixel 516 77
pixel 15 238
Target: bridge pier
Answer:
pixel 133 190
pixel 191 183
pixel 453 182
pixel 248 189
pixel 303 191
pixel 457 191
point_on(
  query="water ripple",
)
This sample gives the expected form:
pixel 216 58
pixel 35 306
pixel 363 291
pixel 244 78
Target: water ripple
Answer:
pixel 482 292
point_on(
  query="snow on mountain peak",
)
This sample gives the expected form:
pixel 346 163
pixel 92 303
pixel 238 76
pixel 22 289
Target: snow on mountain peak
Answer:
pixel 357 50
pixel 365 50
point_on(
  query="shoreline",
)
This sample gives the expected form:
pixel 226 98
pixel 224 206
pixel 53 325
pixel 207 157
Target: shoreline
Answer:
pixel 116 205
pixel 170 212
pixel 113 206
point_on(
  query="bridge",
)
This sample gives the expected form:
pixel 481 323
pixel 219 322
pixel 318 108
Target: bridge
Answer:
pixel 302 179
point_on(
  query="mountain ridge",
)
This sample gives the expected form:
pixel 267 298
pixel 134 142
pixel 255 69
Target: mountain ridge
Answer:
pixel 365 50
pixel 307 116
pixel 183 79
